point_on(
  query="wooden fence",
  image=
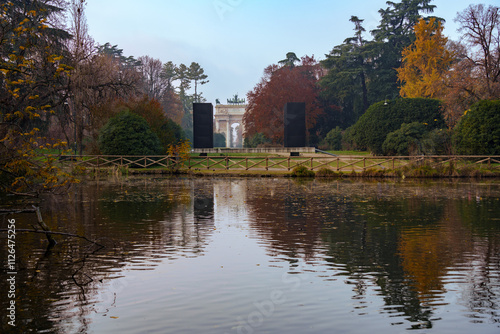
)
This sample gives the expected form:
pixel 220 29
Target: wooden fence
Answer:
pixel 339 163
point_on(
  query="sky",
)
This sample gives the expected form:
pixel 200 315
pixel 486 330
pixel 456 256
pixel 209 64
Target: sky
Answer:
pixel 234 40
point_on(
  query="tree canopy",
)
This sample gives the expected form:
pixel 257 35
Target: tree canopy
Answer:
pixel 426 62
pixel 128 134
pixel 280 85
pixel 382 118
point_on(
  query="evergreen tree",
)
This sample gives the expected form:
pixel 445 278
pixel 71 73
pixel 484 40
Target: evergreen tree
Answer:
pixel 345 84
pixel 198 76
pixel 392 36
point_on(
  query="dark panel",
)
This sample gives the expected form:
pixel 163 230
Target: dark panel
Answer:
pixel 295 124
pixel 203 125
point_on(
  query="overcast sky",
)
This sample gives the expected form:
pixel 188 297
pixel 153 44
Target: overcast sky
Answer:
pixel 234 40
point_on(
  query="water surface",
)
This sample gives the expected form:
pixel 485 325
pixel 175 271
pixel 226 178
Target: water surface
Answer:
pixel 229 255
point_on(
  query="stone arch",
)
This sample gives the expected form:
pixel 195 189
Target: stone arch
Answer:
pixel 226 115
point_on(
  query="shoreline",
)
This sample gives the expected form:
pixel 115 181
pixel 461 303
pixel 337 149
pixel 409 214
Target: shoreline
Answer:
pixel 411 173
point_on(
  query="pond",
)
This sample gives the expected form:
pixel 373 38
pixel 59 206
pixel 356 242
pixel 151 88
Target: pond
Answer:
pixel 261 255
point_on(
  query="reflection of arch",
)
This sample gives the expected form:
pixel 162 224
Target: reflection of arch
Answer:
pixel 226 115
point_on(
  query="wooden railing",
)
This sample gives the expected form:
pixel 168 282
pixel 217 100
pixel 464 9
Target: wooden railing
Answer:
pixel 339 163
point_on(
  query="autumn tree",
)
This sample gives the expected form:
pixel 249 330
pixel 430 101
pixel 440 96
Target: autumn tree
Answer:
pixel 476 74
pixel 100 75
pixel 33 81
pixel 151 70
pixel 481 34
pixel 279 85
pixel 426 62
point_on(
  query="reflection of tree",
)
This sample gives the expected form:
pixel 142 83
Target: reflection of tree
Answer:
pixel 139 222
pixel 482 295
pixel 283 216
pixel 399 239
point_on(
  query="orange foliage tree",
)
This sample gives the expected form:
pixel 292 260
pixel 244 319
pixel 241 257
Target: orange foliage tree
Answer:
pixel 425 62
pixel 280 85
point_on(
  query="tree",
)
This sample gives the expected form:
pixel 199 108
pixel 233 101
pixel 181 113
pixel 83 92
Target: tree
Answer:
pixel 478 131
pixel 282 84
pixel 360 71
pixel 345 84
pixel 197 74
pixel 406 140
pixel 290 60
pixel 219 140
pixel 394 33
pixel 33 81
pixel 426 62
pixel 476 74
pixel 167 131
pixel 334 139
pixel 152 75
pixel 481 29
pixel 114 52
pixel 382 118
pixel 128 134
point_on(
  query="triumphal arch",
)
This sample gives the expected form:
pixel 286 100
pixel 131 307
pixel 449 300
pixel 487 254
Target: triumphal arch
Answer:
pixel 229 120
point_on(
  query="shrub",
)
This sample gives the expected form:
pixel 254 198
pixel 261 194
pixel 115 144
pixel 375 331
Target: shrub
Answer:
pixel 382 118
pixel 128 134
pixel 334 139
pixel 219 140
pixel 167 131
pixel 302 171
pixel 478 131
pixel 406 140
pixel 257 140
pixel 326 172
pixel 437 142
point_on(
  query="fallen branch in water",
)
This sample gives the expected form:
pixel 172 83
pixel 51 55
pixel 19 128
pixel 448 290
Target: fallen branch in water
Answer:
pixel 57 233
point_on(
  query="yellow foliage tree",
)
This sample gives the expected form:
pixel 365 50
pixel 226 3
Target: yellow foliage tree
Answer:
pixel 32 76
pixel 425 62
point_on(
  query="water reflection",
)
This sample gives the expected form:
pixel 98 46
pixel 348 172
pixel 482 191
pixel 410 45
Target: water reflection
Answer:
pixel 407 255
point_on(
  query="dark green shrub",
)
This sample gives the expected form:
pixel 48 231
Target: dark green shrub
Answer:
pixel 302 171
pixel 406 140
pixel 171 133
pixel 128 134
pixel 219 140
pixel 478 132
pixel 258 140
pixel 437 142
pixel 383 118
pixel 333 139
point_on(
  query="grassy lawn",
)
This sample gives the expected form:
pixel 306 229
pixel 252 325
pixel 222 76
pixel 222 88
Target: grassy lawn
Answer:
pixel 360 153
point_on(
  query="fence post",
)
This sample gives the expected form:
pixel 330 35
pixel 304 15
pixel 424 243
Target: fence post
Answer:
pixel 338 164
